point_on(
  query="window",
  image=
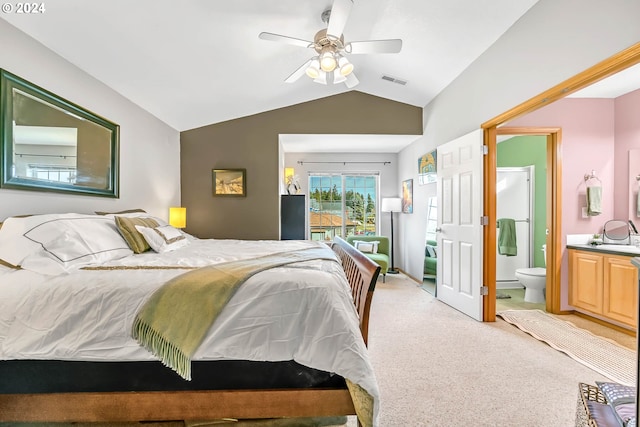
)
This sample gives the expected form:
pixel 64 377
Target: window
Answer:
pixel 342 205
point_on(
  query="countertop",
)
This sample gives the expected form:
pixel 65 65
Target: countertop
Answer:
pixel 627 250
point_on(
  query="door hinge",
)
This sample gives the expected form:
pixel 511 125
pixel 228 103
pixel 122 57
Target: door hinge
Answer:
pixel 485 150
pixel 484 290
pixel 484 220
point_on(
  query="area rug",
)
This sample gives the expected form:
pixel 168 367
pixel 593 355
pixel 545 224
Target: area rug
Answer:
pixel 600 354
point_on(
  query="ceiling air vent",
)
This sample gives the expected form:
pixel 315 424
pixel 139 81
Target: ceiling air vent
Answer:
pixel 394 80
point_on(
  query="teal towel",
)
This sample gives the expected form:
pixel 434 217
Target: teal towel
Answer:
pixel 594 201
pixel 507 237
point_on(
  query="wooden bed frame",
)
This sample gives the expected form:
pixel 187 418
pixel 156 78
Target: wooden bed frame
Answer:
pixel 362 274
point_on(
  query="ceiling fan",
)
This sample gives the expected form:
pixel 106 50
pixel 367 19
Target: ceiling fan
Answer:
pixel 330 61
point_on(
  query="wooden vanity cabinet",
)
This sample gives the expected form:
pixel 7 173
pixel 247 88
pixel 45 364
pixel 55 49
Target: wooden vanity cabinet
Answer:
pixel 586 278
pixel 604 284
pixel 620 294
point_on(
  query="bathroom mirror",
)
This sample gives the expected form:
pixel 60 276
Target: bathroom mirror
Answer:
pixel 616 231
pixel 50 144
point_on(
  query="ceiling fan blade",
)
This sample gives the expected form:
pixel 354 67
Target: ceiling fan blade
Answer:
pixel 374 46
pixel 298 73
pixel 285 39
pixel 352 81
pixel 338 19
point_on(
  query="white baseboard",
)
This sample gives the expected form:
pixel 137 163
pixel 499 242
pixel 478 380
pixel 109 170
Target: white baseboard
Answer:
pixel 508 284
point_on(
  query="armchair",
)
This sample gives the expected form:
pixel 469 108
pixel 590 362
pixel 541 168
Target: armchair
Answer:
pixel 430 258
pixel 380 256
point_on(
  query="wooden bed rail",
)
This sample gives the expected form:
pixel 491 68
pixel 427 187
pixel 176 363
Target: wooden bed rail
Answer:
pixel 362 274
pixel 175 405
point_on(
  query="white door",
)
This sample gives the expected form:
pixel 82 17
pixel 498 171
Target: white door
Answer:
pixel 460 207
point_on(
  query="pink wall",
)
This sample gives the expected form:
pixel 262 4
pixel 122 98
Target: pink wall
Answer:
pixel 597 134
pixel 588 134
pixel 587 144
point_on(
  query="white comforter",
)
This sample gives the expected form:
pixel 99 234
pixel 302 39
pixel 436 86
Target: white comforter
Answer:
pixel 286 313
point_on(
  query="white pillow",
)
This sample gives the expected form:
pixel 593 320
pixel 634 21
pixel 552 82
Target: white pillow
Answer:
pixel 21 237
pixel 68 252
pixel 367 247
pixel 74 242
pixel 431 252
pixel 164 238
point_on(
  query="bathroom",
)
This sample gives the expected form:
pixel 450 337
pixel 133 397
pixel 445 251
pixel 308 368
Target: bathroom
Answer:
pixel 597 134
pixel 521 196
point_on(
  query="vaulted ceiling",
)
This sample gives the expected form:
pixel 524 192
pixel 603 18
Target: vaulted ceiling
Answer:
pixel 196 62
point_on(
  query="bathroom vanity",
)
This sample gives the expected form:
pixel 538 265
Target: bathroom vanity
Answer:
pixel 604 283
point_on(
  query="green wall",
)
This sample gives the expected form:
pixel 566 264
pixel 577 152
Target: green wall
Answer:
pixel 522 151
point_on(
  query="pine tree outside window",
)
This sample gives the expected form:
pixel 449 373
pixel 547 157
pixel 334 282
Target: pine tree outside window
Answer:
pixel 342 205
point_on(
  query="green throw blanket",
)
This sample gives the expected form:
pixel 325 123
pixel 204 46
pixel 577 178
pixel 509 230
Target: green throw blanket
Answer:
pixel 174 321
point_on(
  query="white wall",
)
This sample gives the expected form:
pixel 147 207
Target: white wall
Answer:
pixel 149 149
pixel 554 41
pixel 413 229
pixel 388 174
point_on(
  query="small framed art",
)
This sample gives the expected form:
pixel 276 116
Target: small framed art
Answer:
pixel 230 182
pixel 427 168
pixel 407 196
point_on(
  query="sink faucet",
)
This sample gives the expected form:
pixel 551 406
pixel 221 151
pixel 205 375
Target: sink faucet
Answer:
pixel 633 227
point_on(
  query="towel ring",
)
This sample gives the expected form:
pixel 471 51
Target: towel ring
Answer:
pixel 592 175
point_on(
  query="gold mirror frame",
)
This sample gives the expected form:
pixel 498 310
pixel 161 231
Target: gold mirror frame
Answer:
pixel 61 147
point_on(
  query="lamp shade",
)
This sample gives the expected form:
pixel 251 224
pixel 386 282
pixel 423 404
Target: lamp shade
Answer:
pixel 391 204
pixel 313 70
pixel 346 67
pixel 327 60
pixel 288 175
pixel 178 217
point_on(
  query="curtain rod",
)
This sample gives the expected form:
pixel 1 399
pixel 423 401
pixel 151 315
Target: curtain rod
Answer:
pixel 300 162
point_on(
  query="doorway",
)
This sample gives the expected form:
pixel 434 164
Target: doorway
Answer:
pixel 553 167
pixel 521 198
pixel 600 71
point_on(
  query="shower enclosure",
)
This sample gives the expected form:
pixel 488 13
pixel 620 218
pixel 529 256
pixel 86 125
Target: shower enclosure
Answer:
pixel 514 187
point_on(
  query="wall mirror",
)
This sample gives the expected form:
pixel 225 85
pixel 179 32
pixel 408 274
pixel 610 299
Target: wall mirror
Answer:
pixel 50 144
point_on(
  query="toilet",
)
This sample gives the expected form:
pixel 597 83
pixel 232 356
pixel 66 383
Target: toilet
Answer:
pixel 534 280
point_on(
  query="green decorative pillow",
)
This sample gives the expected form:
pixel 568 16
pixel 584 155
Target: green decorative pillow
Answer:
pixel 135 240
pixel 121 212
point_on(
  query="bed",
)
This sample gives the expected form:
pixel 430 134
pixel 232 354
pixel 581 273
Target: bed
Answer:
pixel 307 317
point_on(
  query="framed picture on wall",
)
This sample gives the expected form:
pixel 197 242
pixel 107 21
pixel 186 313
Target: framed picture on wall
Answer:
pixel 230 182
pixel 407 196
pixel 427 168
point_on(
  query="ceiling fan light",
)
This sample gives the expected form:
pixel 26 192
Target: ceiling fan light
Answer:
pixel 346 67
pixel 338 77
pixel 322 78
pixel 313 70
pixel 328 61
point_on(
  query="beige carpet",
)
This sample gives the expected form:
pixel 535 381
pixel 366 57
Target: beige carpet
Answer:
pixel 602 355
